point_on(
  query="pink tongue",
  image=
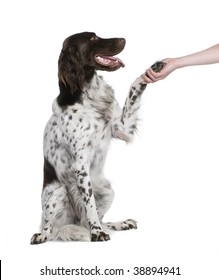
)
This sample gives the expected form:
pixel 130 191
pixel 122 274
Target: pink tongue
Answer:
pixel 109 60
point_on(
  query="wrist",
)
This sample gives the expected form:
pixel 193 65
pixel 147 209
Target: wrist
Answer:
pixel 179 62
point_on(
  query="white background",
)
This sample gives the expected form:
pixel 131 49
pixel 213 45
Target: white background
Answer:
pixel 167 179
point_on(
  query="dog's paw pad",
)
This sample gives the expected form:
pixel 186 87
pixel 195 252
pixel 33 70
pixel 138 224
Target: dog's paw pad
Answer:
pixel 38 238
pixel 100 236
pixel 158 66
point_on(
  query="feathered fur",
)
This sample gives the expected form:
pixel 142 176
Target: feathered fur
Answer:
pixel 86 116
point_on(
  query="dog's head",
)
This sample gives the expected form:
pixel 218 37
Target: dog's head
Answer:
pixel 83 53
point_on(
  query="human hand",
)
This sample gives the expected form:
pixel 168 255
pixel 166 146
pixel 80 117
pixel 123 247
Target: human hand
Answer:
pixel 150 76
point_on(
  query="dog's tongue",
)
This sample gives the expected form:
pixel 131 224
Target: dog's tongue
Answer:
pixel 110 60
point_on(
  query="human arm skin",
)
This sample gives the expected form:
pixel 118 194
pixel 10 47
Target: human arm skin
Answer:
pixel 207 56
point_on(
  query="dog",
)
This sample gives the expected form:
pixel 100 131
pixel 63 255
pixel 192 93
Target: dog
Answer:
pixel 86 116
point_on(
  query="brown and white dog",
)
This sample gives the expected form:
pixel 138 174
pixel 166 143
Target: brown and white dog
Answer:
pixel 86 116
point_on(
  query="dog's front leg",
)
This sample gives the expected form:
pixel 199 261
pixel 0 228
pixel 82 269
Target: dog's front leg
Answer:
pixel 125 124
pixel 81 169
pixel 80 135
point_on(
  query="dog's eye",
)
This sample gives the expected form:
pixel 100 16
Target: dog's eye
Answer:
pixel 94 38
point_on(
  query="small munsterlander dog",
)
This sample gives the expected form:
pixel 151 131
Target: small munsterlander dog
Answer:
pixel 86 116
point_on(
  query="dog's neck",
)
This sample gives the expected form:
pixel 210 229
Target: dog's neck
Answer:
pixel 71 89
pixel 98 96
pixel 96 93
pixel 66 96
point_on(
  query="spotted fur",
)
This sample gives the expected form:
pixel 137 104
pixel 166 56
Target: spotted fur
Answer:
pixel 86 116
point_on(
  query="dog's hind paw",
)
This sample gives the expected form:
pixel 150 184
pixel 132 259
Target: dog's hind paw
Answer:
pixel 130 224
pixel 38 238
pixel 124 225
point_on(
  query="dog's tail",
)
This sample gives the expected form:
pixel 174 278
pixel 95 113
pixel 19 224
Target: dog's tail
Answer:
pixel 71 233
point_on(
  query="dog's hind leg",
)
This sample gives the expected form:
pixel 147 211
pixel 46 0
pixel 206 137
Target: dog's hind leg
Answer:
pixel 103 194
pixel 58 217
pixel 53 197
pixel 122 225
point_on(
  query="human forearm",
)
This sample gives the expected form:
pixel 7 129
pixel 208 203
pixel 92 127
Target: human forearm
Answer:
pixel 207 56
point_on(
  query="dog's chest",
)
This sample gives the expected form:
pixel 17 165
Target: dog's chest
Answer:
pixel 77 133
pixel 86 129
pixel 81 131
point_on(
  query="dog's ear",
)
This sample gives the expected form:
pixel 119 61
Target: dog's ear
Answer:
pixel 70 70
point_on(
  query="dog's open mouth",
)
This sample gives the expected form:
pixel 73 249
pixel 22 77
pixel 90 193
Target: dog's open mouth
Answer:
pixel 110 61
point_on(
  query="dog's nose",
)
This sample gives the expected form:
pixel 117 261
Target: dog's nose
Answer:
pixel 122 41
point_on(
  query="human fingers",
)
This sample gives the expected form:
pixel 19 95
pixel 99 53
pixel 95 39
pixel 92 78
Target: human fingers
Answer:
pixel 147 77
pixel 150 76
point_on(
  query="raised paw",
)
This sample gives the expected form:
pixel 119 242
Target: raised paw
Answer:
pixel 158 66
pixel 38 238
pixel 123 225
pixel 100 236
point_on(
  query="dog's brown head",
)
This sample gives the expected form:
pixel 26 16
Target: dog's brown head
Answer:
pixel 84 53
